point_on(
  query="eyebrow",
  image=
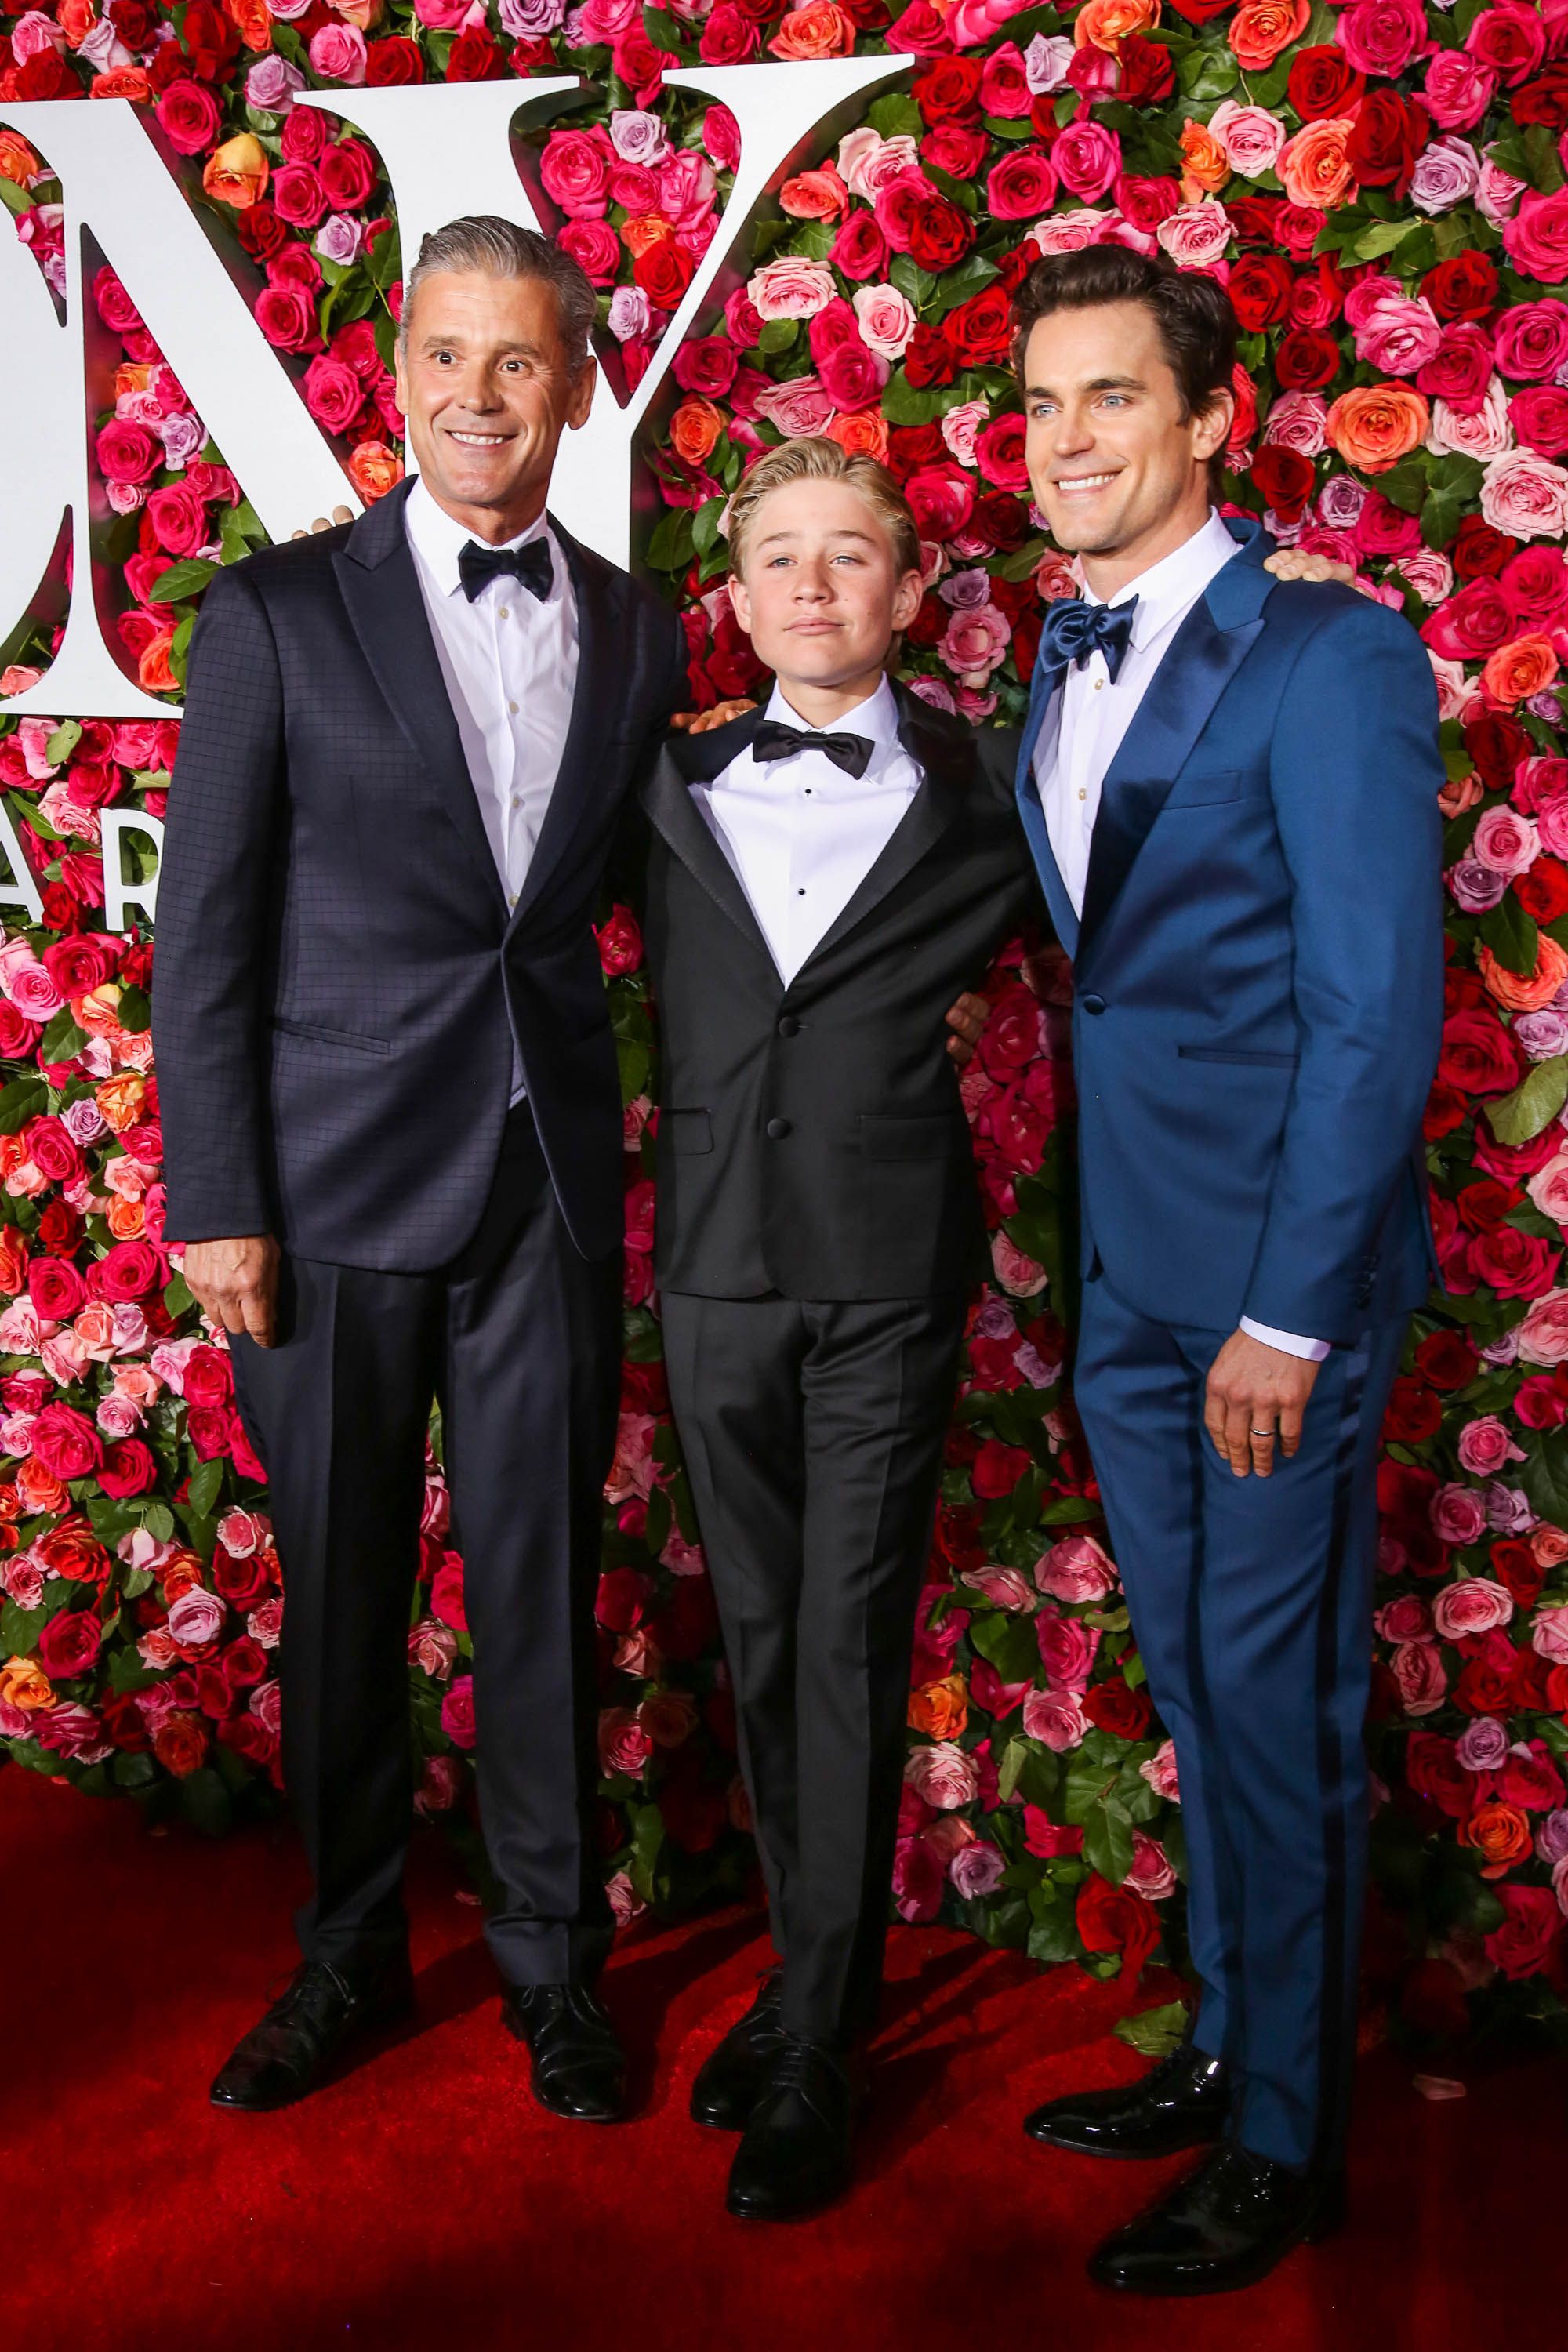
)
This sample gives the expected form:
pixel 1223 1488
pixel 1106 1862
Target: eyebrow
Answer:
pixel 1099 383
pixel 776 538
pixel 436 342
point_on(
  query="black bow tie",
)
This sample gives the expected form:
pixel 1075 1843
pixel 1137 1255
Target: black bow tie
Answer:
pixel 775 741
pixel 478 566
pixel 1074 628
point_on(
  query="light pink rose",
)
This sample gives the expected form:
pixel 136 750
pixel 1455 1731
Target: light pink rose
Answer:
pixel 1019 1276
pixel 338 54
pixel 30 986
pixel 638 137
pixel 1396 336
pixel 1544 1334
pixel 944 1775
pixel 1549 1634
pixel 1474 1605
pixel 868 163
pixel 1429 572
pixel 1003 1588
pixel 117 1416
pixel 1505 841
pixel 1150 1875
pixel 1446 173
pixel 791 288
pixel 1458 1515
pixel 1482 433
pixel 887 320
pixel 800 408
pixel 1055 1719
pixel 1418 1670
pixel 433 1649
pixel 1159 1771
pixel 625 1903
pixel 1070 232
pixel 196 1619
pixel 243 1533
pixel 976 643
pixel 1548 1188
pixel 1298 420
pixel 1076 1569
pixel 976 1870
pixel 1497 196
pixel 265 1626
pixel 1250 135
pixel 961 423
pixel 1525 496
pixel 1195 235
pixel 22 1582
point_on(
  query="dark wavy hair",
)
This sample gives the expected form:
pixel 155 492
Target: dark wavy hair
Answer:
pixel 1197 325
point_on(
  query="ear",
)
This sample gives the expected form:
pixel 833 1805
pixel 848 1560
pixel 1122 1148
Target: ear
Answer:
pixel 580 397
pixel 400 380
pixel 908 597
pixel 1213 423
pixel 739 602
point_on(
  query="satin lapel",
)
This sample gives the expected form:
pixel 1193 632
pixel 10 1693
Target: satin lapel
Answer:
pixel 582 775
pixel 1033 815
pixel 1181 697
pixel 942 758
pixel 680 824
pixel 381 588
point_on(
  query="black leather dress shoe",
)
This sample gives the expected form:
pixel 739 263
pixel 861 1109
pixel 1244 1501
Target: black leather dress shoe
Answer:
pixel 730 2078
pixel 795 2154
pixel 288 2054
pixel 579 2067
pixel 1226 2225
pixel 1183 2103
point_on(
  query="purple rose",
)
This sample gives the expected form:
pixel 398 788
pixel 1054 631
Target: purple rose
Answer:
pixel 1482 1744
pixel 271 83
pixel 1458 1515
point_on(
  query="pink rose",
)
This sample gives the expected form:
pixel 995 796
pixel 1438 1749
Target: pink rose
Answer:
pixel 1070 232
pixel 1404 1620
pixel 457 1712
pixel 1019 1276
pixel 1418 1670
pixel 1087 157
pixel 1003 1588
pixel 440 1785
pixel 575 172
pixel 1022 186
pixel 1159 1771
pixel 196 1619
pixel 1298 420
pixel 1532 341
pixel 944 1775
pixel 1548 1634
pixel 1196 235
pixel 623 1745
pixel 887 320
pixel 1525 494
pixel 1548 1188
pixel 1055 1719
pixel 1536 238
pixel 1473 1606
pixel 1539 417
pixel 1150 1875
pixel 1397 336
pixel 1075 1569
pixel 941 500
pixel 433 1649
pixel 1459 89
pixel 1505 841
pixel 977 1871
pixel 868 163
pixel 791 288
pixel 800 407
pixel 338 54
pixel 66 1441
pixel 1484 1446
pixel 1458 1515
pixel 1446 173
pixel 976 643
pixel 1544 1334
pixel 1250 135
pixel 1068 1648
pixel 1384 37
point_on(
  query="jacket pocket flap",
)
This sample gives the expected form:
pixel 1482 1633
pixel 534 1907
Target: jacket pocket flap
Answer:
pixel 688 1130
pixel 1207 792
pixel 1241 1054
pixel 321 1036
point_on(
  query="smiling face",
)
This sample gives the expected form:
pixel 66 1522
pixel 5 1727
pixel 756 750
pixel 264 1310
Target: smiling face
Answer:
pixel 822 596
pixel 485 383
pixel 1119 475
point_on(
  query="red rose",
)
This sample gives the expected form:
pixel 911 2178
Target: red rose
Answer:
pixel 128 1468
pixel 1115 1707
pixel 728 39
pixel 981 329
pixel 70 1643
pixel 706 363
pixel 127 1271
pixel 929 357
pixel 1285 478
pixel 208 39
pixel 664 271
pixel 1414 1413
pixel 1446 1359
pixel 287 317
pixel 1543 891
pixel 1306 359
pixel 261 233
pixel 1514 1265
pixel 949 90
pixel 940 234
pixel 1322 83
pixel 242 1582
pixel 1464 287
pixel 1261 286
pixel 66 1441
pixel 208 1379
pixel 997 1469
pixel 474 56
pixel 1540 419
pixel 1523 1945
pixel 1148 75
pixel 1495 742
pixel 623 1599
pixel 392 61
pixel 1479 1056
pixel 1388 135
pixel 1001 520
pixel 1544 98
pixel 1433 1771
pixel 620 943
pixel 189 116
pixel 347 172
pixel 55 1289
pixel 1112 1918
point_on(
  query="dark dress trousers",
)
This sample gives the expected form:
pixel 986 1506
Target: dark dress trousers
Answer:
pixel 1258 1004
pixel 818 1228
pixel 338 992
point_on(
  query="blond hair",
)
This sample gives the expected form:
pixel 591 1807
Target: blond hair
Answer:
pixel 817 459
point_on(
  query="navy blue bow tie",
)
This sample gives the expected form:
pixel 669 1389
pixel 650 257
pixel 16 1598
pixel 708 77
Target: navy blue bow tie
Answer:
pixel 1073 629
pixel 478 566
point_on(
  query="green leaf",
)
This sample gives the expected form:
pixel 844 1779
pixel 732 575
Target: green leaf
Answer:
pixel 663 32
pixel 182 579
pixel 177 1297
pixel 1154 2032
pixel 64 1038
pixel 1515 1117
pixel 1207 73
pixel 1380 238
pixel 14 199
pixel 915 284
pixel 671 547
pixel 778 335
pixel 25 1098
pixel 1511 935
pixel 135 1009
pixel 896 116
pixel 958 285
pixel 904 404
pixel 159 1522
pixel 63 742
pixel 1053 1937
pixel 1545 1477
pixel 1108 1841
pixel 207 1484
pixel 1006 1643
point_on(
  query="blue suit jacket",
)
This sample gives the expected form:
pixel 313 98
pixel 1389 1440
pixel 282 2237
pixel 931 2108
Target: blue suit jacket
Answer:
pixel 1259 964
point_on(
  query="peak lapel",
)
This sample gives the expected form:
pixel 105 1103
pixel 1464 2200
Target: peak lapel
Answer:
pixel 684 760
pixel 375 572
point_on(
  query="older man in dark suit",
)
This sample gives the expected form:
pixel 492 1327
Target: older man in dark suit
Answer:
pixel 393 1129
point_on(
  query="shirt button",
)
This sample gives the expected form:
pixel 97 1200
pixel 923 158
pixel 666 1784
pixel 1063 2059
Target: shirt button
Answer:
pixel 777 1128
pixel 513 707
pixel 800 894
pixel 1083 791
pixel 506 612
pixel 1097 684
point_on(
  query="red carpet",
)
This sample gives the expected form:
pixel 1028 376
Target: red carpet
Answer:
pixel 423 2200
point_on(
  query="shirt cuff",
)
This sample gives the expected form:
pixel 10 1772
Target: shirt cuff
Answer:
pixel 1291 1343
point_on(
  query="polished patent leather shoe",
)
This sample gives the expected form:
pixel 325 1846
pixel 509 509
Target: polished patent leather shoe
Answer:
pixel 1183 2102
pixel 579 2067
pixel 796 2152
pixel 731 2077
pixel 1226 2225
pixel 290 2052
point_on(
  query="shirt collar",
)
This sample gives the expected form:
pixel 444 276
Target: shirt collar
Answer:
pixel 438 538
pixel 877 717
pixel 1177 581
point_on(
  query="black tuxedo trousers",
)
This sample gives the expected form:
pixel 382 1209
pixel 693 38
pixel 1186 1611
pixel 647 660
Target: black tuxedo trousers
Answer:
pixel 519 1339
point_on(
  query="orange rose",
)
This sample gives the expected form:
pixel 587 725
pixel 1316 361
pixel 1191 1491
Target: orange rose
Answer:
pixel 131 375
pixel 153 673
pixel 17 161
pixel 123 81
pixel 94 1326
pixel 254 21
pixel 120 1100
pixel 863 432
pixel 1261 28
pixel 1461 794
pixel 815 196
pixel 940 1710
pixel 668 1718
pixel 72 1550
pixel 694 429
pixel 373 469
pixel 1203 159
pixel 40 1490
pixel 179 1573
pixel 1106 23
pixel 363 12
pixel 818 30
pixel 1501 1833
pixel 1549 1544
pixel 10 1505
pixel 1515 672
pixel 126 1219
pixel 12 1260
pixel 24 1684
pixel 1313 167
pixel 180 1743
pixel 76 19
pixel 643 230
pixel 236 173
pixel 1526 992
pixel 1377 424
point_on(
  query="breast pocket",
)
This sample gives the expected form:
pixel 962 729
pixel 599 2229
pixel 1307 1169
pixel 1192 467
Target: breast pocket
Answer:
pixel 685 1131
pixel 1210 792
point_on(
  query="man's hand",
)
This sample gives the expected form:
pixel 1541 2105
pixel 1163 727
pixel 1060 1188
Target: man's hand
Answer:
pixel 1251 1388
pixel 967 1020
pixel 702 722
pixel 339 515
pixel 1295 563
pixel 235 1283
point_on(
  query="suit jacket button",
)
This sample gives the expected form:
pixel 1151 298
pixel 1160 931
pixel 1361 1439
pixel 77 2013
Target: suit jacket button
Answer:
pixel 777 1128
pixel 789 1026
pixel 1092 1003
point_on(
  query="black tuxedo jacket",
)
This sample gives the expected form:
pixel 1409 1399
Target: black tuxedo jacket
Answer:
pixel 811 1140
pixel 335 960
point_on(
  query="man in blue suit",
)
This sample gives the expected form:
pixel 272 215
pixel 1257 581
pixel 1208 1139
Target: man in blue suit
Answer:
pixel 1229 786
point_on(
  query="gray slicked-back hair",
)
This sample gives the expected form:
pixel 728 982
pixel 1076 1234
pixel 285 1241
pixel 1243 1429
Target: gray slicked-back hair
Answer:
pixel 500 248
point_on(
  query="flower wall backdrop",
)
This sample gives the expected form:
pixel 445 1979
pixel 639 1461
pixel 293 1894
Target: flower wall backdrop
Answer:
pixel 1381 187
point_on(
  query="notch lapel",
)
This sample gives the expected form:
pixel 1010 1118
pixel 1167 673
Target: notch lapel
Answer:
pixel 1032 813
pixel 380 586
pixel 942 757
pixel 684 760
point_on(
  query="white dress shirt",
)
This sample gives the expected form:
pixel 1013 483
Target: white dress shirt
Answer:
pixel 802 836
pixel 510 663
pixel 1086 720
